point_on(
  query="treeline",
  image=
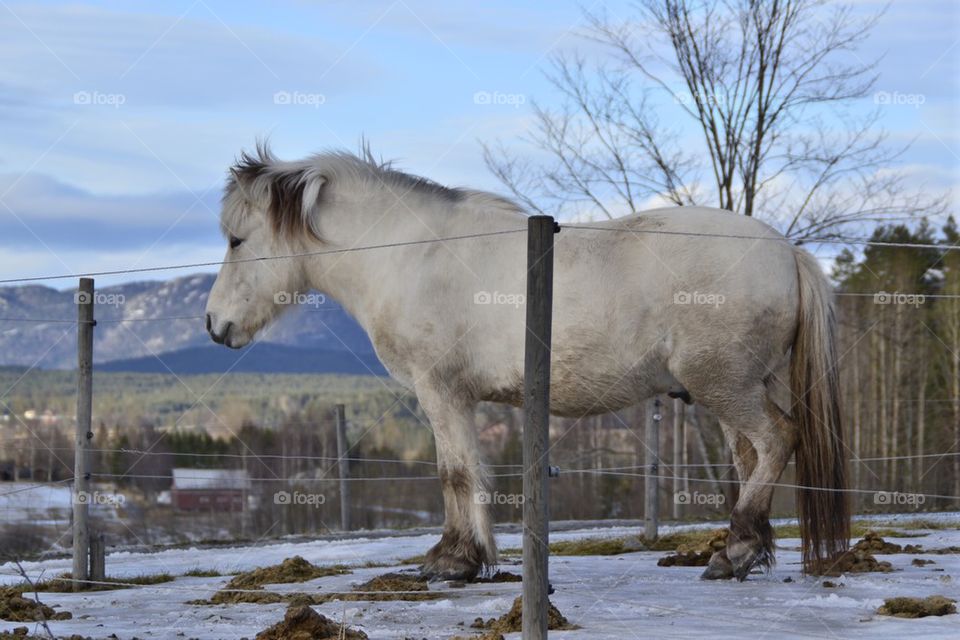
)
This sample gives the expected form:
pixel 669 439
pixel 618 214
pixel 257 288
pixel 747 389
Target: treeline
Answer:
pixel 899 313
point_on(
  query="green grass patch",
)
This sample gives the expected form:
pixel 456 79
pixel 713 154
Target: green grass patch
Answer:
pixel 694 538
pixel 64 583
pixel 860 528
pixel 418 559
pixel 624 544
pixel 701 539
pixel 203 573
pixel 907 527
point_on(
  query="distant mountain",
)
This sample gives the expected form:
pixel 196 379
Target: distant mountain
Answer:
pixel 319 331
pixel 263 357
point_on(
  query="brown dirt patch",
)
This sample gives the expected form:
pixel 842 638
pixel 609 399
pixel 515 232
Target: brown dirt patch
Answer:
pixel 303 623
pixel 696 551
pixel 686 559
pixel 513 621
pixel 596 546
pixel 695 538
pixel 398 586
pixel 247 587
pixel 390 586
pixel 916 548
pixel 501 576
pixel 918 607
pixel 854 561
pixel 15 608
pixel 244 597
pixel 294 569
pixel 921 562
pixel 873 543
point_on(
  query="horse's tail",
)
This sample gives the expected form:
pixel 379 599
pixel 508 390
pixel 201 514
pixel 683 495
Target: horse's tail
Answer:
pixel 821 455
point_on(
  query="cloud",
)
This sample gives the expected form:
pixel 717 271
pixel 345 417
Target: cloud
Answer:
pixel 492 26
pixel 40 210
pixel 168 98
pixel 193 61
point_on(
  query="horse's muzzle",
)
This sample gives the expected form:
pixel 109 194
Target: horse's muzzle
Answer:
pixel 223 335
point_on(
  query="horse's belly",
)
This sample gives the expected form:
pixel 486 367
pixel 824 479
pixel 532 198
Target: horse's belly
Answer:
pixel 576 393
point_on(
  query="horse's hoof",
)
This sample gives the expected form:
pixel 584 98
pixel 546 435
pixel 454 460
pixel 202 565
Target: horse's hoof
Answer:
pixel 449 569
pixel 449 575
pixel 718 569
pixel 741 573
pixel 716 573
pixel 742 565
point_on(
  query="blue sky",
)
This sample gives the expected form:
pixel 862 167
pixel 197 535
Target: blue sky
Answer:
pixel 118 119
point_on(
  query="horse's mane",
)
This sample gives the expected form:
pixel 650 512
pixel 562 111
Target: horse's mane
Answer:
pixel 292 191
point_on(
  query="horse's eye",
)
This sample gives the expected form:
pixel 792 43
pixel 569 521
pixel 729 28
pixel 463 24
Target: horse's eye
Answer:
pixel 235 242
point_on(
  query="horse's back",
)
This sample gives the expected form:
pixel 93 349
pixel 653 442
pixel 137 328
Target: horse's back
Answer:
pixel 662 254
pixel 639 299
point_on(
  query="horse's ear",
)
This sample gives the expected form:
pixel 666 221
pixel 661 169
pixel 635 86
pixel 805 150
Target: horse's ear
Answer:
pixel 237 180
pixel 294 199
pixel 248 170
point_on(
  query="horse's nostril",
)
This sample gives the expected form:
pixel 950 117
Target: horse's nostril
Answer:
pixel 226 332
pixel 209 323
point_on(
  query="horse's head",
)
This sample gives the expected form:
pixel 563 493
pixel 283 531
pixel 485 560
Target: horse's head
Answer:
pixel 268 209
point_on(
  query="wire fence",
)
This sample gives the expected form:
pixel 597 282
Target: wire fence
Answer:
pixel 627 471
pixel 408 243
pixel 622 471
pixel 431 463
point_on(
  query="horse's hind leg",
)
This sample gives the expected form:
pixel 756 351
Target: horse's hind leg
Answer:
pixel 467 544
pixel 773 436
pixel 745 460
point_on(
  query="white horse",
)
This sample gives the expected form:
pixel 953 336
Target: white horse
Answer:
pixel 699 303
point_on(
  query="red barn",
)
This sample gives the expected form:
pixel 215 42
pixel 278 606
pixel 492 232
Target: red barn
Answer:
pixel 209 489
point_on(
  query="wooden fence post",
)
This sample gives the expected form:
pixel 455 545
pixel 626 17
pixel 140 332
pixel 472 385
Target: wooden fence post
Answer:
pixel 98 553
pixel 651 438
pixel 343 467
pixel 679 469
pixel 536 427
pixel 84 299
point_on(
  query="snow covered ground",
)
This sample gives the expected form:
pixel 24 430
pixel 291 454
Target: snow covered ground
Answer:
pixel 50 504
pixel 623 596
pixel 35 503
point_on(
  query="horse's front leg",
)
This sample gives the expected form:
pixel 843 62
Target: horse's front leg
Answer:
pixel 467 545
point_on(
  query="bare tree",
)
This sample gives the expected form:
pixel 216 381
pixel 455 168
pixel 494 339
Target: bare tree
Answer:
pixel 763 90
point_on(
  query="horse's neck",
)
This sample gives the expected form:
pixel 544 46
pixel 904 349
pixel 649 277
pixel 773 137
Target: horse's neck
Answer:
pixel 366 264
pixel 373 270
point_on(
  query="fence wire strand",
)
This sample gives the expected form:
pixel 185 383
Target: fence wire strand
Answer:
pixel 566 226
